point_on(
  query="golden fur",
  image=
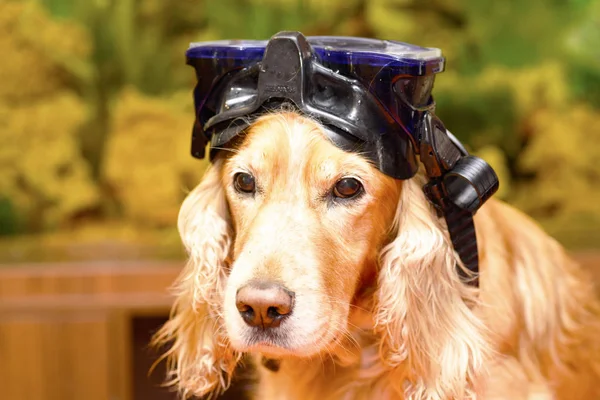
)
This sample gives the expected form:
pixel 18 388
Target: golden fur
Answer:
pixel 380 310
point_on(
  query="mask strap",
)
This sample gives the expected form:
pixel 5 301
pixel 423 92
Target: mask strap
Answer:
pixel 459 184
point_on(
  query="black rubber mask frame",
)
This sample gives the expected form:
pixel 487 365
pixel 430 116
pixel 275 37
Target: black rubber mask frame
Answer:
pixel 459 184
pixel 289 72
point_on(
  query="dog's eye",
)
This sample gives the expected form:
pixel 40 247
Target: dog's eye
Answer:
pixel 346 188
pixel 244 182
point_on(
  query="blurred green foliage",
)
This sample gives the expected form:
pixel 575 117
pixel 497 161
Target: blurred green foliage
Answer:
pixel 44 176
pixel 147 159
pixel 96 101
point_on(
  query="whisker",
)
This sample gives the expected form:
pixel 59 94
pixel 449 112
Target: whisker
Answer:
pixel 337 300
pixel 227 149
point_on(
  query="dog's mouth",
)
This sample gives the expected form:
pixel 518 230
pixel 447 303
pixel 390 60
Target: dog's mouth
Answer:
pixel 283 342
pixel 267 337
pixel 271 342
pixel 268 340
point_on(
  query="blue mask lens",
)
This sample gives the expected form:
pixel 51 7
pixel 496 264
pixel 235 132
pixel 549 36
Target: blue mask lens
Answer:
pixel 385 67
pixel 331 51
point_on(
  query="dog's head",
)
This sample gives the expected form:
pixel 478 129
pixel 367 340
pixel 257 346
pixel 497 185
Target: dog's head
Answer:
pixel 309 221
pixel 292 242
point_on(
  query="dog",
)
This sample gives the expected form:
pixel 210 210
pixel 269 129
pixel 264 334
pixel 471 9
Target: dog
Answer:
pixel 338 282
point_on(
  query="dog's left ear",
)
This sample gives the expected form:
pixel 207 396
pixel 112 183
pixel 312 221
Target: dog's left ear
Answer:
pixel 199 360
pixel 431 341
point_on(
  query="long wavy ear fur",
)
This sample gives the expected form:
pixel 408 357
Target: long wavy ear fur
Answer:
pixel 199 360
pixel 432 342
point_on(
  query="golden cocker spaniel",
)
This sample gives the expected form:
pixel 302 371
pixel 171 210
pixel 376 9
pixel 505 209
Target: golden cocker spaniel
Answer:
pixel 345 279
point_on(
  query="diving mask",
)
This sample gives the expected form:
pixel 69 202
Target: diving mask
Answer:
pixel 373 96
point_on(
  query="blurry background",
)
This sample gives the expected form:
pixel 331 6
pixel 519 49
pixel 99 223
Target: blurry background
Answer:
pixel 96 116
pixel 96 108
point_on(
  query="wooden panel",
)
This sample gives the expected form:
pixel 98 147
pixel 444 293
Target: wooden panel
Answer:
pixel 59 356
pixel 66 329
pixel 119 352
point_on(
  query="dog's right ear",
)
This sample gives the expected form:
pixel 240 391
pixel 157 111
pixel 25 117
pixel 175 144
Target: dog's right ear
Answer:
pixel 199 360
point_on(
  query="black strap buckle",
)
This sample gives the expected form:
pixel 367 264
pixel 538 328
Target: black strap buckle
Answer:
pixel 459 184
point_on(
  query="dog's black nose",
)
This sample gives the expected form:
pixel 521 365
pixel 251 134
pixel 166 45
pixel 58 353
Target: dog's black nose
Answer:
pixel 264 304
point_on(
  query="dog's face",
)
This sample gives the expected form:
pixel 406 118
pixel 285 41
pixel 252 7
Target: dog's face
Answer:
pixel 309 221
pixel 292 243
